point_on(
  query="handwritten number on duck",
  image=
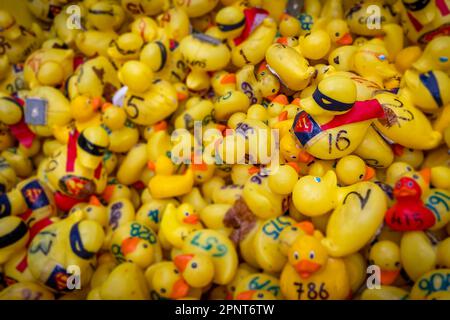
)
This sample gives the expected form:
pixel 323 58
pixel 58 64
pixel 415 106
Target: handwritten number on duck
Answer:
pixel 341 142
pixel 45 244
pixel 209 244
pixel 363 200
pixel 133 106
pixel 312 292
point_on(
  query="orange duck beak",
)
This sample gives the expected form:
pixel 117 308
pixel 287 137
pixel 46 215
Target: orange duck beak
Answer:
pixel 306 268
pixel 192 219
pixel 129 245
pixel 228 78
pixel 388 277
pixel 182 260
pixel 180 289
pixel 345 40
pixel 245 295
pixel 370 173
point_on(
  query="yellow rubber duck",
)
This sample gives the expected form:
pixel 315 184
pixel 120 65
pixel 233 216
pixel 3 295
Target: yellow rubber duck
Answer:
pixel 146 8
pixel 268 242
pixel 371 61
pixel 262 85
pixel 85 111
pixel 311 270
pixel 264 194
pixel 134 242
pixel 258 286
pixel 417 253
pixel 133 165
pixel 331 126
pixel 435 56
pixel 125 282
pixel 425 288
pixel 202 53
pixel 315 196
pixel 96 77
pixel 104 15
pixel 352 169
pixel 229 100
pixel 146 102
pixel 178 222
pixel 125 48
pixel 412 157
pixel 406 57
pixel 46 107
pixel 165 282
pixel 252 50
pixel 375 151
pixel 45 10
pixel 426 21
pixel 289 66
pixel 175 22
pixel 123 134
pixel 164 176
pixel 93 42
pixel 197 269
pixel 426 90
pixel 197 8
pixel 14 234
pixel 356 218
pixel 405 124
pixel 230 22
pixel 386 255
pixel 359 16
pixel 61 244
pixel 48 67
pixel 220 250
pixel 19 40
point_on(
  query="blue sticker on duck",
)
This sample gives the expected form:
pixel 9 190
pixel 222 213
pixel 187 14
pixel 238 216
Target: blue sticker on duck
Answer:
pixel 5 206
pixel 305 128
pixel 36 111
pixel 35 196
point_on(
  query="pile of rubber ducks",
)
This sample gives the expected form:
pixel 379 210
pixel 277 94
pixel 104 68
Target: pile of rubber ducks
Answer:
pixel 103 196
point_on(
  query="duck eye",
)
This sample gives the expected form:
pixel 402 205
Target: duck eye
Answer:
pixel 263 73
pixel 260 295
pixel 382 57
pixel 312 255
pixel 145 246
pixel 317 179
pixel 194 265
pixel 186 214
pixel 163 290
pixel 296 255
pixel 397 264
pixel 408 169
pixel 176 271
pixel 443 59
pixel 337 34
pixel 361 176
pixel 273 90
pixel 415 176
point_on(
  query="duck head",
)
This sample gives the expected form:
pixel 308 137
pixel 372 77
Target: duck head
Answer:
pixel 386 255
pixel 196 269
pixel 186 214
pixel 334 95
pixel 307 256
